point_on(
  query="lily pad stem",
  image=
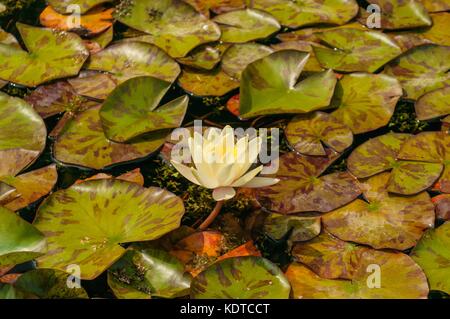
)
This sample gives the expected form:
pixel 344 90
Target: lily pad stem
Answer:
pixel 215 212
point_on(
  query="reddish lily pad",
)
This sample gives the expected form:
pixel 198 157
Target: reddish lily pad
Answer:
pixel 64 6
pixel 207 83
pixel 30 186
pixel 376 155
pixel 307 134
pixel 52 55
pixel 84 143
pixel 174 26
pixel 271 86
pixel 301 189
pixel 433 104
pixel 126 60
pixel 421 70
pixel 299 13
pixel 241 278
pixel 385 220
pixel 19 241
pixel 132 109
pixel 22 135
pixel 353 50
pixel 366 102
pixel 90 230
pixel 398 14
pixel 241 26
pixel 92 23
pixel 238 56
pixel 94 85
pixel 433 255
pixel 150 271
pixel 442 204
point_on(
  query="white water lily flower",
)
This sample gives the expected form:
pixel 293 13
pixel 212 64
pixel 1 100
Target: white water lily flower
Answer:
pixel 222 163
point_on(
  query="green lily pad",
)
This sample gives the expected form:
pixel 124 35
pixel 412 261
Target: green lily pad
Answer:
pixel 241 278
pixel 207 83
pixel 271 86
pixel 365 102
pixel 299 228
pixel 307 134
pixel 30 186
pixel 205 57
pixel 399 14
pixel 352 50
pixel 84 143
pixel 437 33
pixel 421 70
pixel 241 26
pixel 94 85
pixel 217 6
pixel 385 220
pixel 151 271
pixel 126 60
pixel 173 26
pixel 52 55
pixel 433 255
pixel 433 104
pixel 298 13
pixel 63 6
pixel 301 189
pixel 304 46
pixel 399 276
pixel 376 155
pixel 132 109
pixel 90 229
pixel 48 284
pixel 238 56
pixel 19 241
pixel 22 135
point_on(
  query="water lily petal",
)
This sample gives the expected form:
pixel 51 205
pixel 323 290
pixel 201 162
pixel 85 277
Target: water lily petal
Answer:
pixel 223 193
pixel 261 182
pixel 186 172
pixel 247 177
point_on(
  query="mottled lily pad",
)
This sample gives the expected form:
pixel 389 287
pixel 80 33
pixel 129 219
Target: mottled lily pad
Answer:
pixel 94 85
pixel 90 229
pixel 151 271
pixel 432 148
pixel 433 255
pixel 304 46
pixel 174 26
pixel 353 50
pixel 376 155
pixel 401 278
pixel 241 26
pixel 437 33
pixel 442 206
pixel 207 83
pixel 308 134
pixel 436 5
pixel 64 6
pixel 19 241
pixel 22 135
pixel 217 6
pixel 92 23
pixel 422 69
pixel 271 86
pixel 433 104
pixel 365 102
pixel 238 56
pixel 132 109
pixel 385 220
pixel 52 55
pixel 400 14
pixel 126 60
pixel 299 13
pixel 301 189
pixel 30 186
pixel 205 57
pixel 48 284
pixel 299 228
pixel 241 278
pixel 84 143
